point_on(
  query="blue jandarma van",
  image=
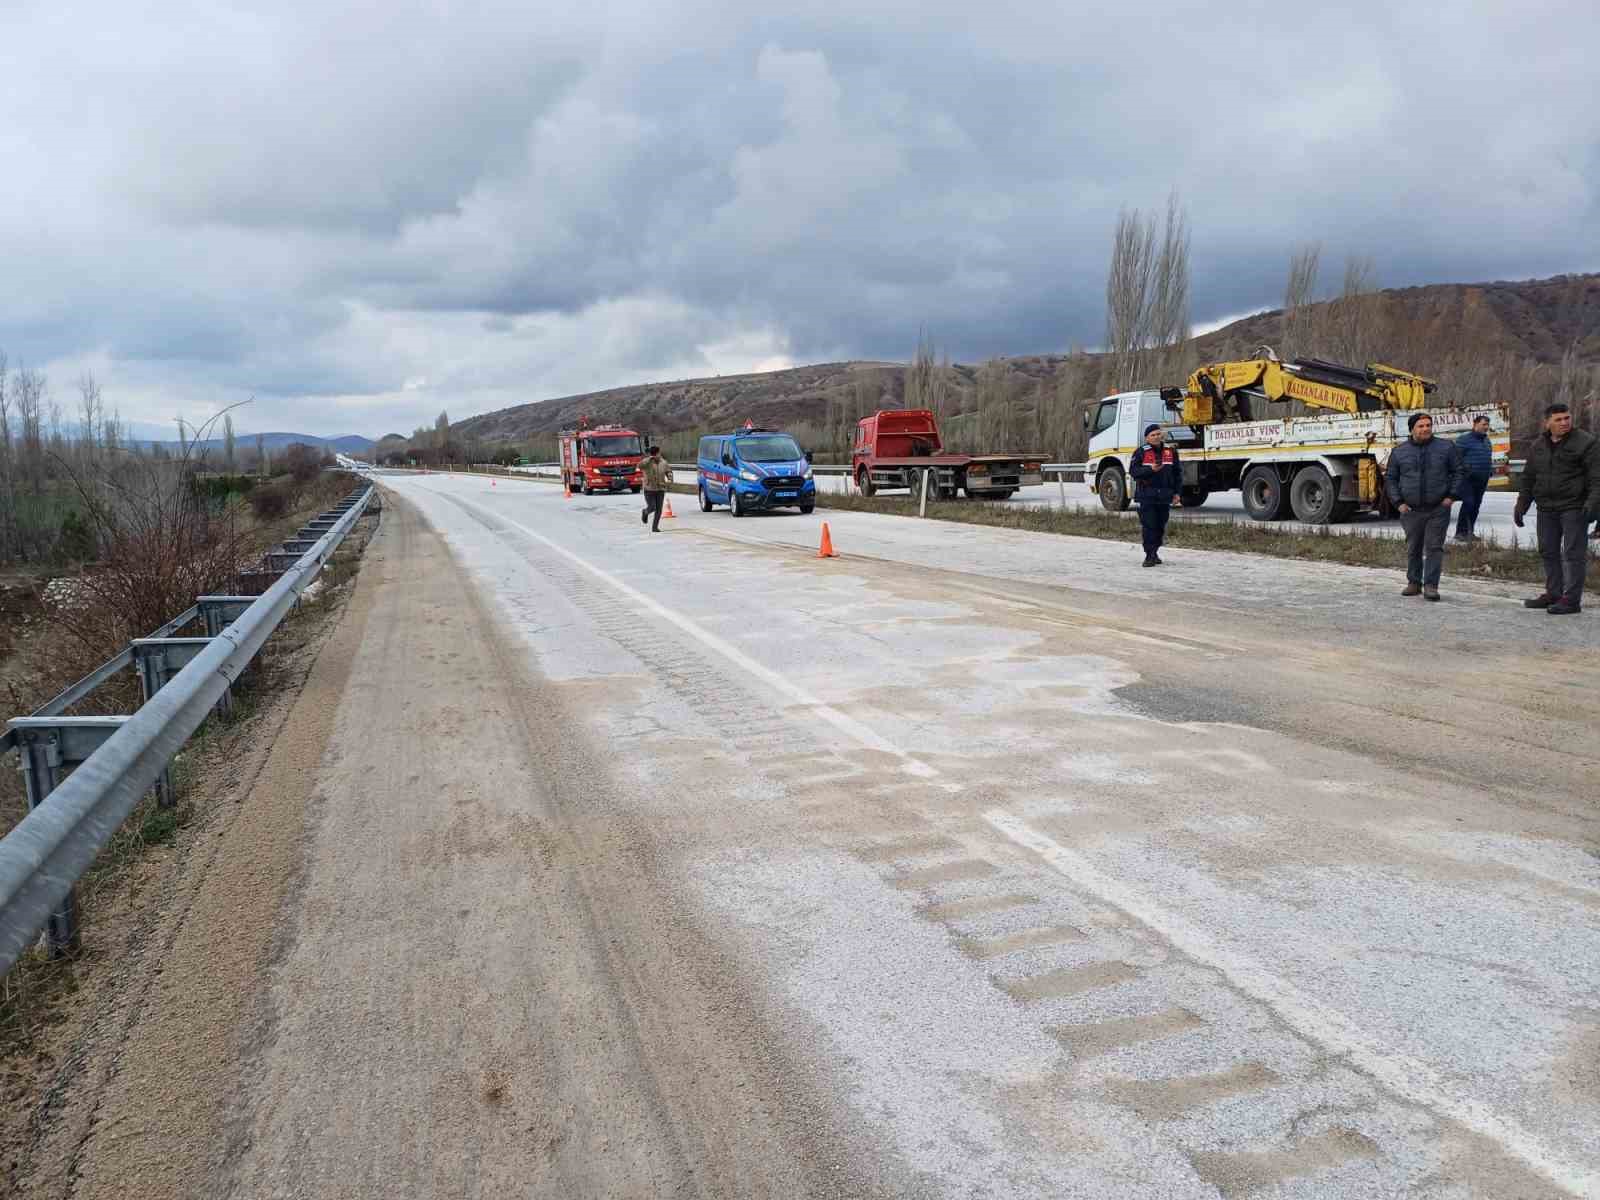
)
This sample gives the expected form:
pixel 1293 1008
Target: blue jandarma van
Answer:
pixel 754 469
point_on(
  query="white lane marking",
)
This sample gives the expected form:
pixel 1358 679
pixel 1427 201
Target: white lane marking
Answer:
pixel 841 721
pixel 1405 1076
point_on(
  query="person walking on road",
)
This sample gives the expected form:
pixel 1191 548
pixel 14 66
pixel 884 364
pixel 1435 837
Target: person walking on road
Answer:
pixel 1158 479
pixel 1562 479
pixel 657 475
pixel 1425 476
pixel 1477 455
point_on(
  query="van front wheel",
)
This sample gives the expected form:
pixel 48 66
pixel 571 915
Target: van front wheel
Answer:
pixel 733 502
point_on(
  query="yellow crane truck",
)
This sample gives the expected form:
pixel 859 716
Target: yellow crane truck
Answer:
pixel 1320 468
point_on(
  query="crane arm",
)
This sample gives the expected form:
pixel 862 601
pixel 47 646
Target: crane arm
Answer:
pixel 1219 390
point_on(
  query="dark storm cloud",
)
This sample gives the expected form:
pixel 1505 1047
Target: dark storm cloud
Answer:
pixel 362 216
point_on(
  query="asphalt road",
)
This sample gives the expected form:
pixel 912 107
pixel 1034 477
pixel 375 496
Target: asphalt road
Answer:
pixel 1494 520
pixel 970 863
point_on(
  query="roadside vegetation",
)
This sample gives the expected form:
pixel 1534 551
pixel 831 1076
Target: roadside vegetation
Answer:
pixel 101 541
pixel 1486 559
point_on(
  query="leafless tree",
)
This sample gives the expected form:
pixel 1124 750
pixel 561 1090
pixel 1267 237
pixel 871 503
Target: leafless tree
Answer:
pixel 8 475
pixel 229 456
pixel 1133 247
pixel 29 397
pixel 262 462
pixel 90 411
pixel 1355 318
pixel 1300 309
pixel 1169 301
pixel 441 432
pixel 1147 294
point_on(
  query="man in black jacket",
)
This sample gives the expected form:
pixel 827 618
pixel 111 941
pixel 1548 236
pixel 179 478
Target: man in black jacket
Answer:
pixel 1425 476
pixel 1158 479
pixel 1562 477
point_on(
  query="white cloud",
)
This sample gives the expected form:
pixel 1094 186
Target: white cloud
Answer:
pixel 365 215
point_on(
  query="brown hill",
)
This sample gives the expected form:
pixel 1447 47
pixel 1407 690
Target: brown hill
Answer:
pixel 1466 334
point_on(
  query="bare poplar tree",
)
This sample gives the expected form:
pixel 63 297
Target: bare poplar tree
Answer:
pixel 261 455
pixel 1169 300
pixel 1355 317
pixel 228 446
pixel 8 474
pixel 29 394
pixel 1147 294
pixel 1299 300
pixel 90 407
pixel 922 375
pixel 1128 294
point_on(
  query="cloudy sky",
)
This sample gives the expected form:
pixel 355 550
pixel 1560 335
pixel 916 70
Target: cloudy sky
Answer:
pixel 362 214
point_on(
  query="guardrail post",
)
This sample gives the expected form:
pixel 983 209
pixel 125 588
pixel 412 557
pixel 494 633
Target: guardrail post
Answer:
pixel 40 754
pixel 149 684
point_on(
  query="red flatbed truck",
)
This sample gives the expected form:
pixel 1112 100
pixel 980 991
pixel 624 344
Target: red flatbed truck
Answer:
pixel 894 447
pixel 605 458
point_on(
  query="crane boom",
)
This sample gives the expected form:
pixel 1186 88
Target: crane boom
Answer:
pixel 1219 390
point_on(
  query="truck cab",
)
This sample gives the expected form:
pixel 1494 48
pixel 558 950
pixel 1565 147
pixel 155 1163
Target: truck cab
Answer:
pixel 1116 427
pixel 606 458
pixel 752 470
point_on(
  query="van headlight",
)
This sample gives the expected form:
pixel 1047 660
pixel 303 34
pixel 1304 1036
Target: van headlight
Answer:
pixel 750 476
pixel 807 475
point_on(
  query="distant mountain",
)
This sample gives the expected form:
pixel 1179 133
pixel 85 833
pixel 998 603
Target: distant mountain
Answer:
pixel 1536 320
pixel 276 442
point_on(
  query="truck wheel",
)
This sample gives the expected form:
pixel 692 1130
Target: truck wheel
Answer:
pixel 1313 495
pixel 636 490
pixel 864 482
pixel 1113 488
pixel 1194 497
pixel 733 502
pixel 1264 494
pixel 705 500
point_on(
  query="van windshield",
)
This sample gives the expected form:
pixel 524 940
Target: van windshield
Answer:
pixel 771 447
pixel 612 447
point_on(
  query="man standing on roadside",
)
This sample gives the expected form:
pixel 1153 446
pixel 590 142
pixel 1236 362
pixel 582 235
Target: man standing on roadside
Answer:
pixel 1561 477
pixel 1424 477
pixel 1159 479
pixel 657 475
pixel 1477 455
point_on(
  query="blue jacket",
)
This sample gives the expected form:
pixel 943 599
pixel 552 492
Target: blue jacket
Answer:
pixel 1477 452
pixel 1156 473
pixel 1423 473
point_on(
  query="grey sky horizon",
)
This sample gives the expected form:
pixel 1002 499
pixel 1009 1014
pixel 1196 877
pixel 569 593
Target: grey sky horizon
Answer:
pixel 361 215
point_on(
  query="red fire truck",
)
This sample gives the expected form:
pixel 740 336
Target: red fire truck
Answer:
pixel 605 458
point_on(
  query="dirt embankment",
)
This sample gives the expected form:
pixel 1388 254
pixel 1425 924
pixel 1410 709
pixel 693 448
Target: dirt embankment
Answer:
pixel 64 1025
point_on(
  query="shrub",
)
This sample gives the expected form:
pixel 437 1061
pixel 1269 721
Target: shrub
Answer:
pixel 269 503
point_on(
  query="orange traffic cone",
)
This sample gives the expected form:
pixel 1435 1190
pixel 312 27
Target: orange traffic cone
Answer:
pixel 826 550
pixel 669 514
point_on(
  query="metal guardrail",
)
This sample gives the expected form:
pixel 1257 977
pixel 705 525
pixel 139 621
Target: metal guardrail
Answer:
pixel 114 760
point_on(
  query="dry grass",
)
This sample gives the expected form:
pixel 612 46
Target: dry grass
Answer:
pixel 1486 559
pixel 37 985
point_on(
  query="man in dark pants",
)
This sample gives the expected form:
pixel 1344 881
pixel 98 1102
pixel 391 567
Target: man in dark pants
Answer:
pixel 1158 478
pixel 657 475
pixel 1424 477
pixel 1477 455
pixel 1561 477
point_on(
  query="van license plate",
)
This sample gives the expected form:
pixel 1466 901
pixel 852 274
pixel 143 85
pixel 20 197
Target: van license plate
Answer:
pixel 786 495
